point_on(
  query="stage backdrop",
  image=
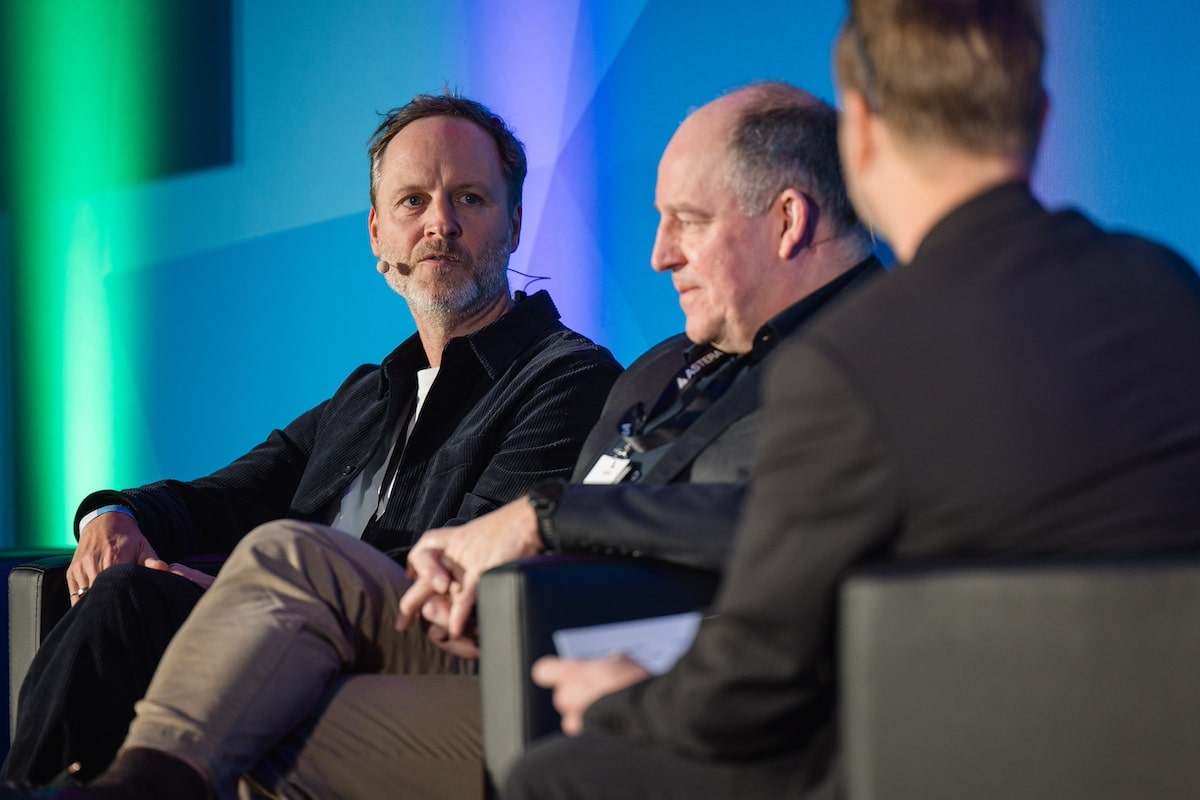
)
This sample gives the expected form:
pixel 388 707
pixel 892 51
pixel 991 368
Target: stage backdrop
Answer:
pixel 183 193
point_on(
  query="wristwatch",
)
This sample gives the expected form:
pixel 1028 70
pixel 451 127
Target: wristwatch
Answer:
pixel 544 497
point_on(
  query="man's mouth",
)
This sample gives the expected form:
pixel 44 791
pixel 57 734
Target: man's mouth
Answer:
pixel 441 258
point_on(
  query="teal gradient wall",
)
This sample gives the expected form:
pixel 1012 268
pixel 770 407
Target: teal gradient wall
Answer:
pixel 161 316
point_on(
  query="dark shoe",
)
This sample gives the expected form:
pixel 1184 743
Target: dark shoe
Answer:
pixel 137 774
pixel 12 791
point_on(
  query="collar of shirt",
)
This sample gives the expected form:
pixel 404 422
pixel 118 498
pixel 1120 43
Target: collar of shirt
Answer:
pixel 493 347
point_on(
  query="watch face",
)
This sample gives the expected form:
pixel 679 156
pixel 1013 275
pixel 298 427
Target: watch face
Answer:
pixel 547 492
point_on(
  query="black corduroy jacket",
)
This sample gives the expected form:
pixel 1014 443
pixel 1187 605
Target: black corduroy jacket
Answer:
pixel 511 405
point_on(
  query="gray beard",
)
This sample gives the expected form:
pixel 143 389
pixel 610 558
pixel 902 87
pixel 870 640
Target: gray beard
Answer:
pixel 487 282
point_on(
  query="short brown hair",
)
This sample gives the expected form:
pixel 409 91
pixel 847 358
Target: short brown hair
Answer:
pixel 513 165
pixel 961 72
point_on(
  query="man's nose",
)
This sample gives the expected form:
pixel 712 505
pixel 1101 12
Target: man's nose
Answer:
pixel 666 254
pixel 442 219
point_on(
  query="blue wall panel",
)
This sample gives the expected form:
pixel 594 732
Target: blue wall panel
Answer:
pixel 253 283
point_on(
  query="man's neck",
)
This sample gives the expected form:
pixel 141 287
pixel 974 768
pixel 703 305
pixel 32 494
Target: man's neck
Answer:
pixel 926 187
pixel 435 330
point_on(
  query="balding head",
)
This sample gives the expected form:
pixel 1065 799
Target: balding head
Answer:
pixel 754 214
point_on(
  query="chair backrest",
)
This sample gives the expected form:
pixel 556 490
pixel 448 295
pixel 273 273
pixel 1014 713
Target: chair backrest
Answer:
pixel 1047 680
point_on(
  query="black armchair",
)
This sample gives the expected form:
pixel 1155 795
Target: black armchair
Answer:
pixel 985 680
pixel 1031 680
pixel 37 600
pixel 521 605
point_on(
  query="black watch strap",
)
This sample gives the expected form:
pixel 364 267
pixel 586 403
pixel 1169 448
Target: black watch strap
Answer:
pixel 544 497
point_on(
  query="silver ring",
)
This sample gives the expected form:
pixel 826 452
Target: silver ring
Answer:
pixel 82 591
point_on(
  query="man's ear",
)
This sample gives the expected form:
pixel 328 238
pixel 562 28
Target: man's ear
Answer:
pixel 855 134
pixel 373 231
pixel 516 229
pixel 798 215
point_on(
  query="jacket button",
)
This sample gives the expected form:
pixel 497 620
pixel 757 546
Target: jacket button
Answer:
pixel 346 470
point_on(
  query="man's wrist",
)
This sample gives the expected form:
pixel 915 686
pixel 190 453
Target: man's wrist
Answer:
pixel 108 509
pixel 544 497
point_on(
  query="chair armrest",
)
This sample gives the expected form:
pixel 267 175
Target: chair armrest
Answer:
pixel 37 600
pixel 521 604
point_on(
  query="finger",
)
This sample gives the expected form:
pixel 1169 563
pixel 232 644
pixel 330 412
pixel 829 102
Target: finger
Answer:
pixel 90 570
pixel 463 648
pixel 77 582
pixel 572 723
pixel 426 565
pixel 201 579
pixel 462 604
pixel 410 604
pixel 145 555
pixel 436 611
pixel 74 574
pixel 157 563
pixel 182 570
pixel 547 671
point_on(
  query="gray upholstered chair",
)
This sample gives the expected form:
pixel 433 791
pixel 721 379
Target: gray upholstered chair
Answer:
pixel 1064 679
pixel 1076 679
pixel 37 599
pixel 520 606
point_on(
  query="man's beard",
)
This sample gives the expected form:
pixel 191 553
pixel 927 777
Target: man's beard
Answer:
pixel 462 290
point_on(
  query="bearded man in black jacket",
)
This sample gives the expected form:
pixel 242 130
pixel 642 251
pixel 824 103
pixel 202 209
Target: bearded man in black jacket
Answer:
pixel 491 395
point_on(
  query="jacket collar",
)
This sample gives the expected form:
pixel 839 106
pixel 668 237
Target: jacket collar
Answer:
pixel 982 212
pixel 493 347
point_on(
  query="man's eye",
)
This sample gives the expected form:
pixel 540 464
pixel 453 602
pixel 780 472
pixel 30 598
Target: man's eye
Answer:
pixel 470 199
pixel 412 201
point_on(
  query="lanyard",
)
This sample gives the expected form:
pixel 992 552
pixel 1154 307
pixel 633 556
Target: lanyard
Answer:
pixel 689 393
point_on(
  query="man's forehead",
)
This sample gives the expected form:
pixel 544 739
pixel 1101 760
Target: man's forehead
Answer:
pixel 693 175
pixel 440 144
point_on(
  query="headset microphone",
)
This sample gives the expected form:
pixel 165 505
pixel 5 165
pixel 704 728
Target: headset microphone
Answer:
pixel 382 267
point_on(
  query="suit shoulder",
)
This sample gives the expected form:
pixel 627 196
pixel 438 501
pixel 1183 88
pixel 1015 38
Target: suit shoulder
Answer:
pixel 667 352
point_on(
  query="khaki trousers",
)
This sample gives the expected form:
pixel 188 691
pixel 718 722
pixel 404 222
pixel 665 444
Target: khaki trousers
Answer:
pixel 289 673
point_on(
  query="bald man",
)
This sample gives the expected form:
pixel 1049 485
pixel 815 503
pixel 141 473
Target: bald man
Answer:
pixel 758 236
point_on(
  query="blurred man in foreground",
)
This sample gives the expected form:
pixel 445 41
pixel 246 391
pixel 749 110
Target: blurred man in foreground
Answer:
pixel 1023 384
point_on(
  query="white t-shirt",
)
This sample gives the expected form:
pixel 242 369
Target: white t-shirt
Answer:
pixel 366 495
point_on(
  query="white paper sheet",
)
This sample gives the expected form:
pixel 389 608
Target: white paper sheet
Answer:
pixel 656 642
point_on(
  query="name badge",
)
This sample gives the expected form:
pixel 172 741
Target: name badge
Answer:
pixel 608 470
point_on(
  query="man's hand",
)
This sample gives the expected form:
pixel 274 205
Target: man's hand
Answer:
pixel 201 579
pixel 449 561
pixel 108 539
pixel 577 683
pixel 465 646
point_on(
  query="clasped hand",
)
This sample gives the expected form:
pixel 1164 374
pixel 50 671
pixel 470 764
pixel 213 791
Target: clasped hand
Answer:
pixel 445 566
